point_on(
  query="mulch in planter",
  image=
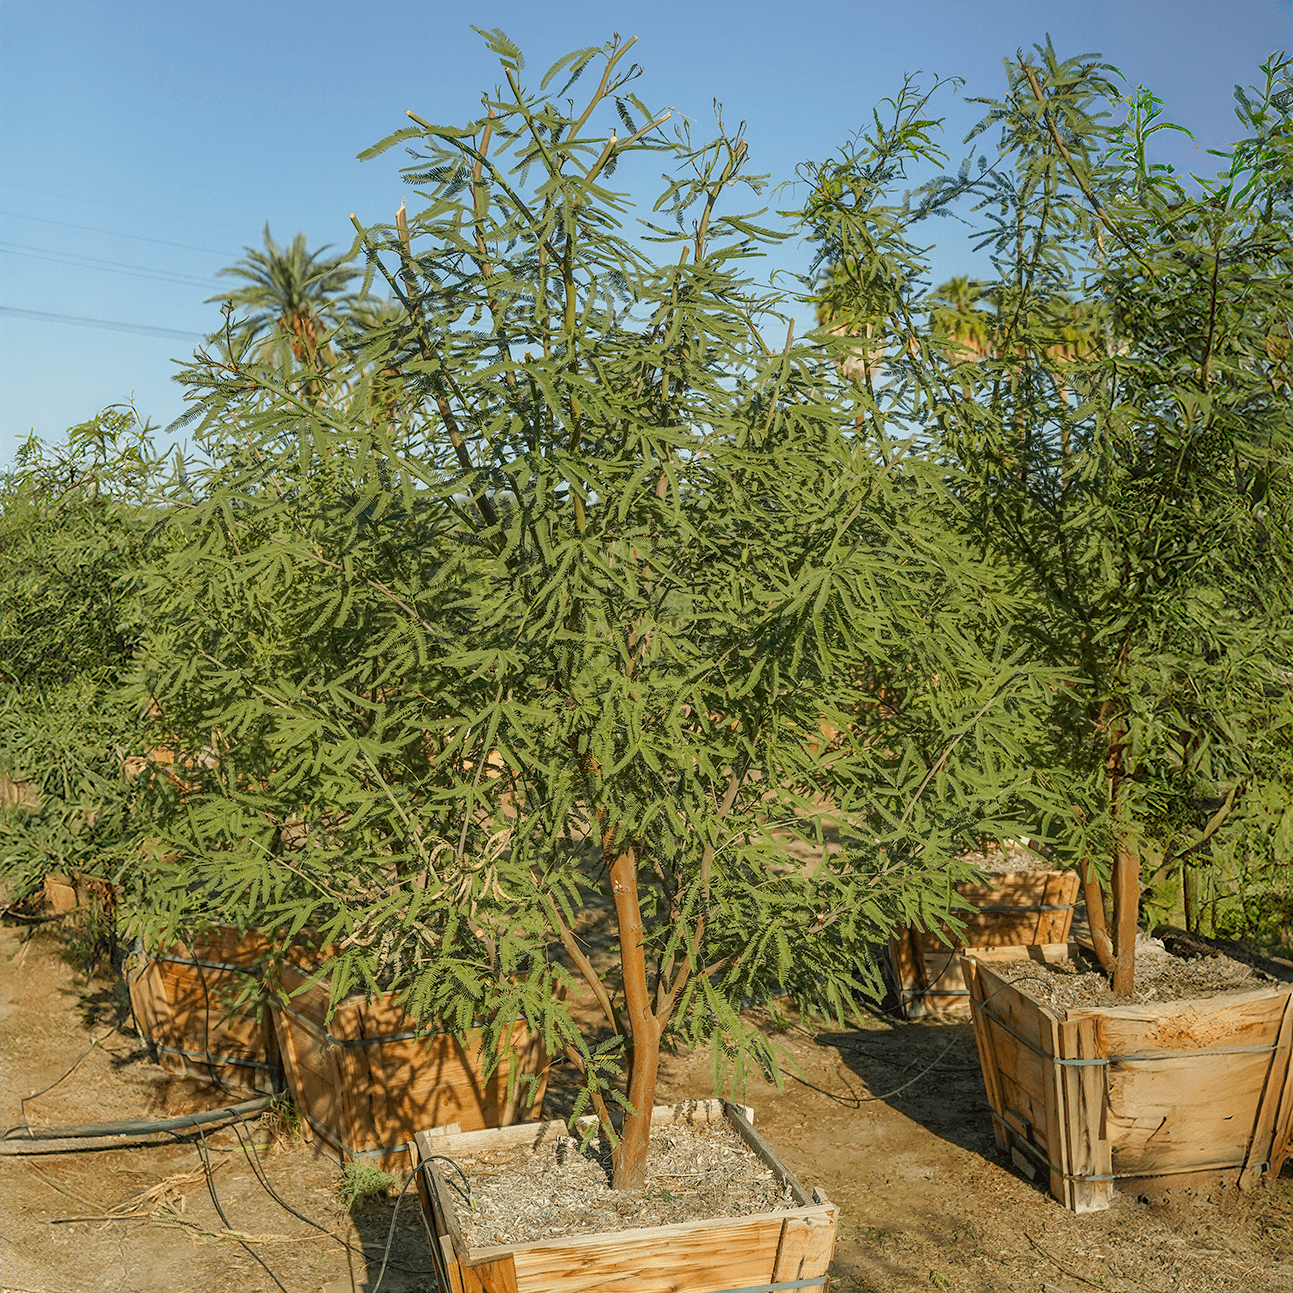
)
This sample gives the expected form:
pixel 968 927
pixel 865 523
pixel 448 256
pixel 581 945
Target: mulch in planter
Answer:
pixel 1160 976
pixel 694 1171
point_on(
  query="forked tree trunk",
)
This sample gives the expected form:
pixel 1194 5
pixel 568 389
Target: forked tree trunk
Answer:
pixel 1125 877
pixel 1113 928
pixel 628 1159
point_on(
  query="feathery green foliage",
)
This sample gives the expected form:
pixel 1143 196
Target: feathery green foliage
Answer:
pixel 1121 446
pixel 613 599
pixel 73 522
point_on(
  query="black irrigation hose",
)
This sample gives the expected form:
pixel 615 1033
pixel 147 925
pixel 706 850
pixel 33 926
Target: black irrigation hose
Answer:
pixel 215 1198
pixel 422 1166
pixel 858 1101
pixel 390 1234
pixel 263 1178
pixel 22 1104
pixel 139 1127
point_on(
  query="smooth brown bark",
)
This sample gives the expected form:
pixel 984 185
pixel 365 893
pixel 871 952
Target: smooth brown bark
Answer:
pixel 1125 880
pixel 1126 913
pixel 628 1159
pixel 1190 896
pixel 1096 917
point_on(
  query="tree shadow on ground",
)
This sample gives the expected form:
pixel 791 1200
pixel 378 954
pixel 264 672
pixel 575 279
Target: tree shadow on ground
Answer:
pixel 410 1268
pixel 928 1072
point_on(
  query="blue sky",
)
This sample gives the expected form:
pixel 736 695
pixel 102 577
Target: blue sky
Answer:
pixel 144 144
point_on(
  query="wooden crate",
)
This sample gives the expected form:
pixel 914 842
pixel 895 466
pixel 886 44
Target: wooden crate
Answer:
pixel 775 1250
pixel 1030 908
pixel 61 894
pixel 185 1002
pixel 1146 1098
pixel 367 1080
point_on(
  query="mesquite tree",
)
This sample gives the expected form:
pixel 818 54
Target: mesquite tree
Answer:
pixel 74 518
pixel 587 597
pixel 1134 473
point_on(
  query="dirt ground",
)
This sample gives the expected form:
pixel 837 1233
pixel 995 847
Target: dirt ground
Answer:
pixel 889 1119
pixel 49 1016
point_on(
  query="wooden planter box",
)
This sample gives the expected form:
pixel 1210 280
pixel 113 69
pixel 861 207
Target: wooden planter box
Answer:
pixel 769 1251
pixel 1030 908
pixel 184 1002
pixel 1140 1099
pixel 367 1080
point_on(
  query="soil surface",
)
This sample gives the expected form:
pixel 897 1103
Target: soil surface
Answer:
pixel 142 1220
pixel 888 1118
pixel 694 1172
pixel 1160 977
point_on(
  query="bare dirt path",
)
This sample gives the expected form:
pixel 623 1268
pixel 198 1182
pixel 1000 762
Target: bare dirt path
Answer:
pixel 926 1202
pixel 49 1016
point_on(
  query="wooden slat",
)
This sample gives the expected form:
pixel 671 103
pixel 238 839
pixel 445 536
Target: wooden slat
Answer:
pixel 60 893
pixel 1029 889
pixel 724 1253
pixel 695 1257
pixel 498 1276
pixel 1282 1132
pixel 192 1008
pixel 1056 1139
pixel 923 964
pixel 983 1040
pixel 1201 1181
pixel 1086 1141
pixel 1191 1089
pixel 907 958
pixel 386 1090
pixel 1188 1110
pixel 805 1248
pixel 765 1153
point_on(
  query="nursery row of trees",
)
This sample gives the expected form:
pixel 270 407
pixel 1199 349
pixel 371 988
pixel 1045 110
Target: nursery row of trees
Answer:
pixel 570 579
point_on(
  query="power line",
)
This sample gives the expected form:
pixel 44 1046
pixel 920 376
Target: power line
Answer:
pixel 111 325
pixel 112 233
pixel 112 266
pixel 81 199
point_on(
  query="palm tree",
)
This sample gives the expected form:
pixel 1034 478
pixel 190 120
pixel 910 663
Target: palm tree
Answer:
pixel 957 319
pixel 299 292
pixel 852 303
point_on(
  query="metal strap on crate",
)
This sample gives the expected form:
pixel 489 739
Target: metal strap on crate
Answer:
pixel 1136 1057
pixel 348 1043
pixel 1037 1050
pixel 776 1288
pixel 349 1151
pixel 1036 1152
pixel 205 1057
pixel 251 971
pixel 1036 906
pixel 1030 1148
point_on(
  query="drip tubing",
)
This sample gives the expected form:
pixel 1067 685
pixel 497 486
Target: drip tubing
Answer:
pixel 34 1140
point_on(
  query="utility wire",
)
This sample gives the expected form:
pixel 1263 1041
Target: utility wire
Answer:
pixel 112 233
pixel 82 200
pixel 109 324
pixel 111 266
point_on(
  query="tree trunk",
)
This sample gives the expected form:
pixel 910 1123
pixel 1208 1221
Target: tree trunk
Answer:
pixel 1097 919
pixel 1125 880
pixel 628 1159
pixel 1126 914
pixel 1190 896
